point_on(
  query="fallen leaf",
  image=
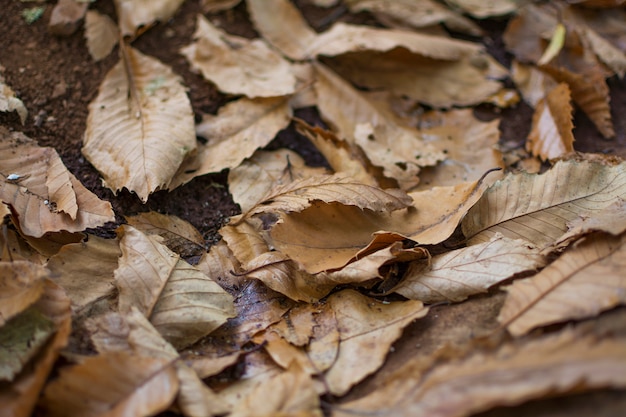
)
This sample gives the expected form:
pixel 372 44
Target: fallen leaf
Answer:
pixel 459 274
pixel 538 207
pixel 367 328
pixel 101 33
pixel 533 83
pixel 551 133
pixel 611 219
pixel 481 9
pixel 140 126
pixel 238 65
pixel 119 383
pixel 33 177
pixel 234 134
pixel 133 14
pixel 9 102
pixel 66 17
pixel 21 284
pixel 584 281
pixel 213 6
pixel 179 235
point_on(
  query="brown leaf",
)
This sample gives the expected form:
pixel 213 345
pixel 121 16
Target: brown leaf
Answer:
pixel 551 134
pixel 134 14
pixel 66 17
pixel 481 10
pixel 237 65
pixel 45 196
pixel 101 33
pixel 140 126
pixel 179 235
pixel 584 281
pixel 9 102
pixel 611 219
pixel 117 383
pixel 21 284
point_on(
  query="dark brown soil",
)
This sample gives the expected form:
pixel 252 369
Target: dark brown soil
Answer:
pixel 56 79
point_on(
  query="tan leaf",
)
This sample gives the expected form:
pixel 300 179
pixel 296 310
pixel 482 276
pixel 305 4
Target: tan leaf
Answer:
pixel 244 240
pixel 101 33
pixel 549 366
pixel 254 178
pixel 584 281
pixel 234 134
pixel 551 133
pixel 367 329
pixel 195 398
pixel 282 26
pixel 179 235
pixel 133 14
pixel 610 55
pixel 85 270
pixel 118 383
pixel 140 126
pixel 387 142
pixel 459 274
pixel 290 393
pixel 284 353
pixel 611 219
pixel 66 17
pixel 9 102
pixel 238 65
pixel 532 82
pixel 481 9
pixel 45 196
pixel 19 398
pixel 538 207
pixel 21 284
pixel 213 6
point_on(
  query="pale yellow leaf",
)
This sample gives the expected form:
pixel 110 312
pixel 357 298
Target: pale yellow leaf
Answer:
pixel 21 284
pixel 85 270
pixel 9 102
pixel 101 33
pixel 584 281
pixel 459 274
pixel 179 235
pixel 512 375
pixel 551 133
pixel 367 328
pixel 255 177
pixel 238 65
pixel 234 134
pixel 133 14
pixel 538 207
pixel 483 9
pixel 140 126
pixel 282 26
pixel 117 383
pixel 44 194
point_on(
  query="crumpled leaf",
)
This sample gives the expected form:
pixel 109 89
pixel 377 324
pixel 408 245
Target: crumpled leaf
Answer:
pixel 552 365
pixel 101 33
pixel 9 102
pixel 119 383
pixel 584 281
pixel 44 194
pixel 551 133
pixel 459 274
pixel 367 328
pixel 178 235
pixel 140 126
pixel 538 207
pixel 21 284
pixel 133 14
pixel 234 134
pixel 237 65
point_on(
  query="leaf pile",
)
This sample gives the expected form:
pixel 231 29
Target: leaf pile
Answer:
pixel 317 278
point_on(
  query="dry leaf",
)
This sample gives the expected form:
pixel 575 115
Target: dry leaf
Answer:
pixel 551 134
pixel 584 281
pixel 178 235
pixel 85 270
pixel 367 328
pixel 101 33
pixel 538 207
pixel 66 17
pixel 117 383
pixel 234 134
pixel 458 274
pixel 9 102
pixel 611 219
pixel 44 194
pixel 21 284
pixel 133 14
pixel 140 126
pixel 237 65
pixel 553 365
pixel 214 6
pixel 531 82
pixel 481 9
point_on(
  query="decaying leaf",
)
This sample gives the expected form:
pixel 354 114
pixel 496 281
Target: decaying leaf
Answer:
pixel 234 134
pixel 237 65
pixel 538 207
pixel 133 14
pixel 45 196
pixel 101 33
pixel 21 284
pixel 140 126
pixel 611 219
pixel 9 102
pixel 584 281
